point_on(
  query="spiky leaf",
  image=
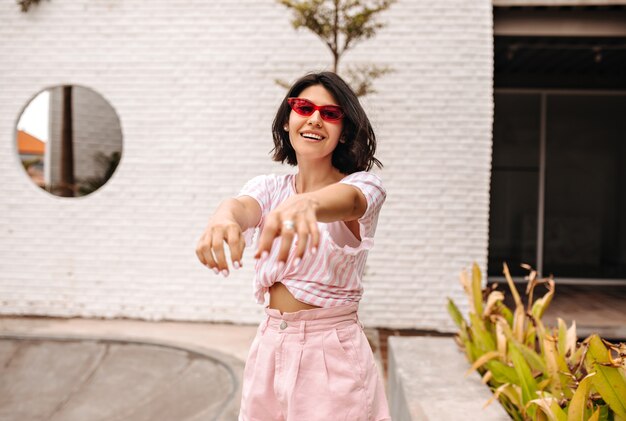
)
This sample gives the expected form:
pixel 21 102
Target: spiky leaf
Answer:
pixel 454 312
pixel 609 382
pixel 577 409
pixel 526 379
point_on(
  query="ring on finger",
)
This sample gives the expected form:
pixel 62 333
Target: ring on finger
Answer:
pixel 288 224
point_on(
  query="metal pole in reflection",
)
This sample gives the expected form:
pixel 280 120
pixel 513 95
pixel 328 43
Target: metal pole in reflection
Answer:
pixel 66 187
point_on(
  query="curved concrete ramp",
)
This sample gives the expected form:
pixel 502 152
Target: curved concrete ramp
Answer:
pixel 96 379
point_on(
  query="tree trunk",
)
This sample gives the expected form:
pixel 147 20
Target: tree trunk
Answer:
pixel 336 38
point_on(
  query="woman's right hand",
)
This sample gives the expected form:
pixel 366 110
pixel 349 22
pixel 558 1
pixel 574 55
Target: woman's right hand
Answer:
pixel 210 248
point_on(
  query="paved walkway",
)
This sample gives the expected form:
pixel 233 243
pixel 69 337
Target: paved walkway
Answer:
pixel 77 369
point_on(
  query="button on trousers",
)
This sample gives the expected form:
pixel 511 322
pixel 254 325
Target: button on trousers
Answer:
pixel 312 365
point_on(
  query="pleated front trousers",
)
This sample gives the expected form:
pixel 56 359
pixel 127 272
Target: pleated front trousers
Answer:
pixel 312 365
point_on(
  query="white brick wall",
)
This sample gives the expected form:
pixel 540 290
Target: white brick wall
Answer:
pixel 174 72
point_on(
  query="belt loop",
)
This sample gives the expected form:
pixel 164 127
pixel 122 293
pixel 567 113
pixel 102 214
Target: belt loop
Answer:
pixel 267 322
pixel 302 327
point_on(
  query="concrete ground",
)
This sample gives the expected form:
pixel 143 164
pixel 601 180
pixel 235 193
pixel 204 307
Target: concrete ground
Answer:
pixel 80 369
pixel 93 369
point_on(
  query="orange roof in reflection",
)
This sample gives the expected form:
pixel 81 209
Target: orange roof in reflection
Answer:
pixel 29 144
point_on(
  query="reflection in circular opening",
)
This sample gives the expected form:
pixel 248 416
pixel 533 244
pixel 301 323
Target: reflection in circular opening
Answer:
pixel 69 140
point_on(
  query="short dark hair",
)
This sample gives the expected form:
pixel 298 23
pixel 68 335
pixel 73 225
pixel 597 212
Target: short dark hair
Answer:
pixel 357 153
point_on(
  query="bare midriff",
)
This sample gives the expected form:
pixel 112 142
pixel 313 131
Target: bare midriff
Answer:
pixel 281 299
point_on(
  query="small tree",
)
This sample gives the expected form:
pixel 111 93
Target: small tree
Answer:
pixel 25 4
pixel 341 24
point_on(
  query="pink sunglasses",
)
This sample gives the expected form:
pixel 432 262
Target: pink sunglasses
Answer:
pixel 304 107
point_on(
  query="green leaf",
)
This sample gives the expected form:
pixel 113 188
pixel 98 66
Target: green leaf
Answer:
pixel 482 360
pixel 454 312
pixel 477 291
pixel 609 382
pixel 576 357
pixel 530 336
pixel 507 314
pixel 472 352
pixel 604 413
pixel 595 416
pixel 501 372
pixel 532 357
pixel 481 337
pixel 578 404
pixel 526 379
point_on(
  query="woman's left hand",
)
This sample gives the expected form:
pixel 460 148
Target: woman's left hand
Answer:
pixel 299 209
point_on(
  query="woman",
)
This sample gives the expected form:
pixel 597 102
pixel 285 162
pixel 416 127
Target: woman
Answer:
pixel 310 359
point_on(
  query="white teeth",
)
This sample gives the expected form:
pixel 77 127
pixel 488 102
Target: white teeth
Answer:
pixel 312 136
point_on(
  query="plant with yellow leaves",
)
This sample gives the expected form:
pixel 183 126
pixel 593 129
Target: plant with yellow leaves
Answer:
pixel 538 373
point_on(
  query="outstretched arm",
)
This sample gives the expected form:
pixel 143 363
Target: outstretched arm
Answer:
pixel 336 202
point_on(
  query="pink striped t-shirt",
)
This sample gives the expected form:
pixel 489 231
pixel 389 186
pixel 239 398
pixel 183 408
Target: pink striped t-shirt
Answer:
pixel 333 275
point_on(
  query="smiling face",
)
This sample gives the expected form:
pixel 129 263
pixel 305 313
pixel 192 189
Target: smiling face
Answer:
pixel 312 137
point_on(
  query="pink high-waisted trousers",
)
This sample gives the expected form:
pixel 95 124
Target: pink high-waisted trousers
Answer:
pixel 312 365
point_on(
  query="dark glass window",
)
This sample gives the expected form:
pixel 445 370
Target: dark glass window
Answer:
pixel 514 183
pixel 583 215
pixel 585 211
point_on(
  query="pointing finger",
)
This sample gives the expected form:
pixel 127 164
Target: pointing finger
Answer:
pixel 270 231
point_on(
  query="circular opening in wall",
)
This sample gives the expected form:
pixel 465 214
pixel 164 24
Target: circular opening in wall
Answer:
pixel 69 140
